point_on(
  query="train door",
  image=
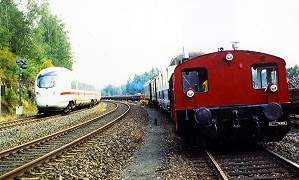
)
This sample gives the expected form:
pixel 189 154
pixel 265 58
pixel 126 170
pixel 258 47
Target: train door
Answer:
pixel 265 76
pixel 154 91
pixel 172 97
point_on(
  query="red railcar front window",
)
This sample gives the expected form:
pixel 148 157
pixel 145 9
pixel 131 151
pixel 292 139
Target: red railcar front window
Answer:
pixel 196 79
pixel 264 74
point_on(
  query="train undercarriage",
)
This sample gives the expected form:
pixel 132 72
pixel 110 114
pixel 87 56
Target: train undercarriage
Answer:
pixel 233 124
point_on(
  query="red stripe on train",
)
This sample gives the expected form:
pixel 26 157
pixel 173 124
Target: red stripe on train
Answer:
pixel 77 93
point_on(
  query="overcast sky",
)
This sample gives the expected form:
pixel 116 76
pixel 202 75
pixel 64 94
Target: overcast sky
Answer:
pixel 112 40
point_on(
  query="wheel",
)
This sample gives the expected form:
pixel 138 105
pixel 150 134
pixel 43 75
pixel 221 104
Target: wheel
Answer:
pixel 92 103
pixel 70 107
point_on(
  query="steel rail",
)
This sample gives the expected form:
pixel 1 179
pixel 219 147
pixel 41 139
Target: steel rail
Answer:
pixel 216 165
pixel 51 136
pixel 27 120
pixel 59 151
pixel 11 123
pixel 289 162
pixel 234 165
pixel 20 122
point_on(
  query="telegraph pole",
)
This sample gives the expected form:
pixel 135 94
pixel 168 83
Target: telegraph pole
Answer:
pixel 22 63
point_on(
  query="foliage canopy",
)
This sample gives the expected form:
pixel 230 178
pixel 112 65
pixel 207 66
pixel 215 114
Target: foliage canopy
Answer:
pixel 133 86
pixel 136 85
pixel 293 72
pixel 29 31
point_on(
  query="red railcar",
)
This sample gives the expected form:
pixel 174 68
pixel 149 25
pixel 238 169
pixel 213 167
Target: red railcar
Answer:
pixel 230 96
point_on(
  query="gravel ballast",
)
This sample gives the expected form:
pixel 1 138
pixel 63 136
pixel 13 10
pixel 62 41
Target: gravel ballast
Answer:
pixel 148 161
pixel 138 148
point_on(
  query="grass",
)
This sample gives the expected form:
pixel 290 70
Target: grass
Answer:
pixel 101 109
pixel 138 136
pixel 4 118
pixel 172 133
pixel 29 109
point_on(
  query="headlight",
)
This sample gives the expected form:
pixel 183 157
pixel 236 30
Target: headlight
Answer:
pixel 190 93
pixel 229 57
pixel 273 111
pixel 273 88
pixel 202 116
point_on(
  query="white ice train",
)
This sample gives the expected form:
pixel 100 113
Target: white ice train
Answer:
pixel 59 89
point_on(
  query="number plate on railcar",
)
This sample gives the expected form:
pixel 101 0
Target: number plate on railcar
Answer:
pixel 283 123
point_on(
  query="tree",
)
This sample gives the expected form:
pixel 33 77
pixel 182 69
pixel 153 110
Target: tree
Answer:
pixel 13 27
pixel 113 90
pixel 33 34
pixel 50 38
pixel 9 79
pixel 137 84
pixel 293 72
pixel 133 86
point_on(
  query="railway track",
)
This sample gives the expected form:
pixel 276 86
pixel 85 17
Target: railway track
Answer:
pixel 32 119
pixel 25 121
pixel 17 160
pixel 295 116
pixel 295 120
pixel 227 163
pixel 235 163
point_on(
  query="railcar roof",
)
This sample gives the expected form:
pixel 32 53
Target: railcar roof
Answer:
pixel 176 60
pixel 59 69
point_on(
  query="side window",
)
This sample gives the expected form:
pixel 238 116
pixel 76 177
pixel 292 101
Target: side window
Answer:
pixel 196 79
pixel 263 74
pixel 73 85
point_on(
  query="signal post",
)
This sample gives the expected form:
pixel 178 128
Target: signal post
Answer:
pixel 22 63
